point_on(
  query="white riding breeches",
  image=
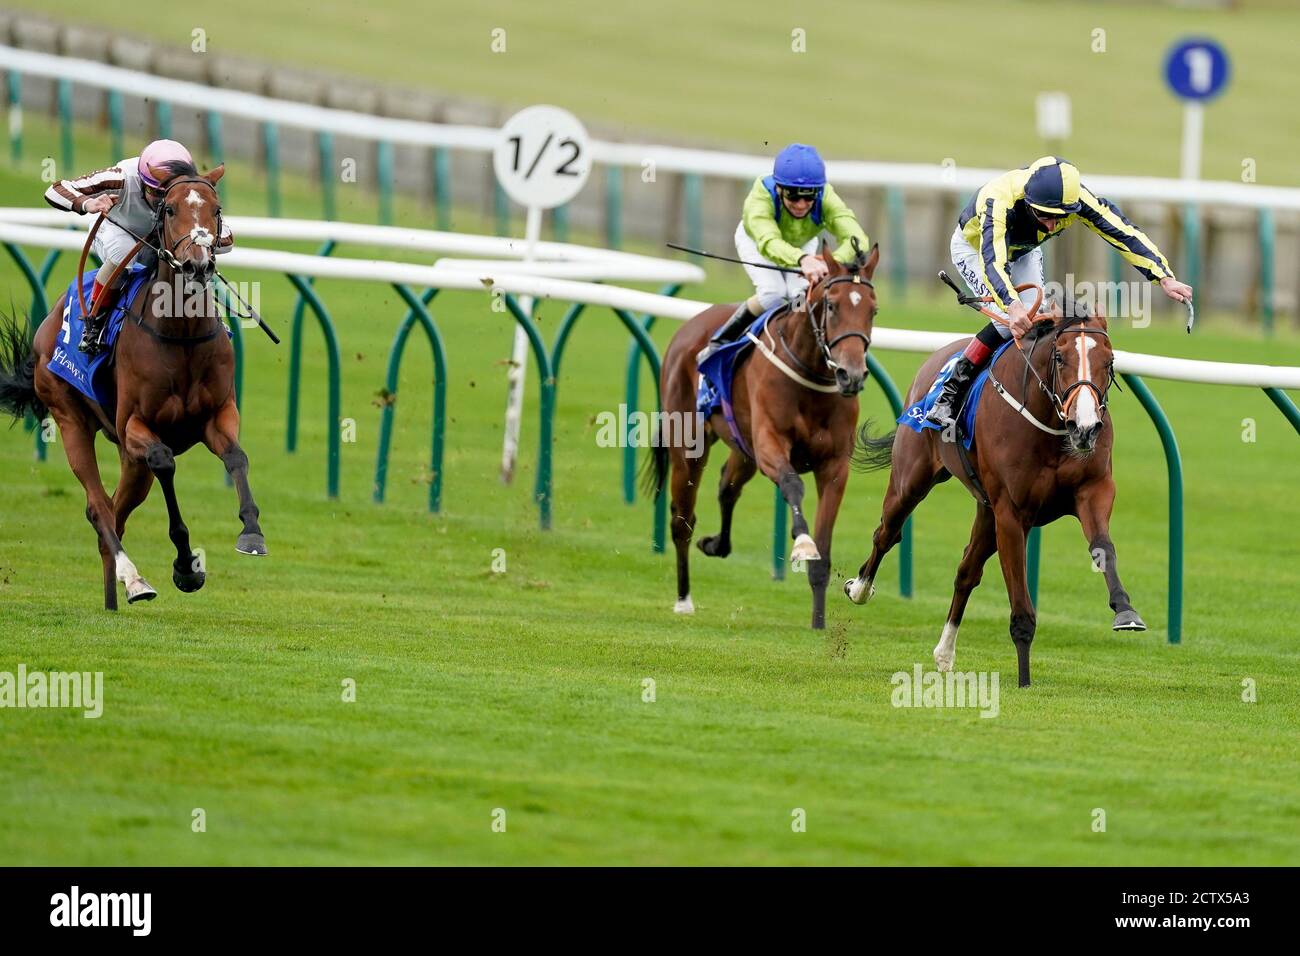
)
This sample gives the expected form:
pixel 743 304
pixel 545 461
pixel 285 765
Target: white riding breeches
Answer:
pixel 1028 268
pixel 113 244
pixel 770 286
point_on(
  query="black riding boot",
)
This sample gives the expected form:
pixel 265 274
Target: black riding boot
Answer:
pixel 729 332
pixel 949 401
pixel 93 329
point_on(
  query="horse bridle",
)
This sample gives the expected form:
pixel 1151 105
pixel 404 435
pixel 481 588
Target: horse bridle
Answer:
pixel 819 327
pixel 1061 402
pixel 163 210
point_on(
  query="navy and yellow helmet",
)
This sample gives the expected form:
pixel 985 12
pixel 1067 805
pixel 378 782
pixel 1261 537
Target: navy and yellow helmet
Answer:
pixel 1053 186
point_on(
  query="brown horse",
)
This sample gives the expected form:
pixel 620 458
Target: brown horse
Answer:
pixel 173 378
pixel 796 419
pixel 1024 472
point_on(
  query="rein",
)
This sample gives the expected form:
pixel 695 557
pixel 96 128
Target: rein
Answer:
pixel 806 376
pixel 168 255
pixel 1060 403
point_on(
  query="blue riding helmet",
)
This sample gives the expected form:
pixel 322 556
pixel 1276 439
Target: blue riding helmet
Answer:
pixel 799 166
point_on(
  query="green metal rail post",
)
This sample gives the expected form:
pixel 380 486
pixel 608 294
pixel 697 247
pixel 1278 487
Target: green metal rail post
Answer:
pixel 332 351
pixel 325 167
pixel 295 360
pixel 163 112
pixel 1285 406
pixel 442 186
pixel 64 88
pixel 1174 464
pixel 546 410
pixel 384 164
pixel 15 117
pixel 116 122
pixel 271 147
pixel 416 312
pixel 1267 282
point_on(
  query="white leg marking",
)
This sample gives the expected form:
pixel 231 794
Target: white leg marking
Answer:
pixel 684 606
pixel 126 572
pixel 945 652
pixel 805 549
pixel 859 590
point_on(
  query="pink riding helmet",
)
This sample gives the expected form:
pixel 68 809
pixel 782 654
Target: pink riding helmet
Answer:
pixel 156 154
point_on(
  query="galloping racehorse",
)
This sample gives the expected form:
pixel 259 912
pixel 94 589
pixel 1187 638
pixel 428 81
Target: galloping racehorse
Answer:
pixel 794 416
pixel 173 378
pixel 1024 472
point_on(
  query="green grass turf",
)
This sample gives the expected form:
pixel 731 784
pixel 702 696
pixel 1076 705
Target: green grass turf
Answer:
pixel 916 81
pixel 523 690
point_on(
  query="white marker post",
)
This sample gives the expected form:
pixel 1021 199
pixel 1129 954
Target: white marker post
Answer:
pixel 542 161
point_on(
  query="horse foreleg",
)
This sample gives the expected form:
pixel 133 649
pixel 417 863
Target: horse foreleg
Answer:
pixel 738 469
pixel 832 480
pixel 684 488
pixel 773 452
pixel 141 445
pixel 79 446
pixel 1011 531
pixel 983 542
pixel 132 489
pixel 221 439
pixel 910 480
pixel 1093 504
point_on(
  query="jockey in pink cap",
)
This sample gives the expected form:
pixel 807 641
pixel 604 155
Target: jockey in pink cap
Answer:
pixel 132 189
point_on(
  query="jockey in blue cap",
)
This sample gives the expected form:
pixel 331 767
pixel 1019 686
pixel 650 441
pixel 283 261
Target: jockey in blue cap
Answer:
pixel 781 222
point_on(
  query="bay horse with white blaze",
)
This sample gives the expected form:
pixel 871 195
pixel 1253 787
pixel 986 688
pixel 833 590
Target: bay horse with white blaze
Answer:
pixel 173 387
pixel 796 419
pixel 1023 473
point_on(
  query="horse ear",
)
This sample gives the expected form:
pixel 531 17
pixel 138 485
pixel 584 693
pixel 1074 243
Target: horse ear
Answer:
pixel 873 260
pixel 214 175
pixel 829 258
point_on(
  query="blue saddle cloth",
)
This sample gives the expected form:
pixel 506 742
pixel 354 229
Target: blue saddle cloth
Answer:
pixel 914 417
pixel 713 393
pixel 89 374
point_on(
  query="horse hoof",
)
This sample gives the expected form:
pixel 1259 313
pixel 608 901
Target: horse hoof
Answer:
pixel 859 591
pixel 712 546
pixel 942 662
pixel 139 590
pixel 1128 621
pixel 251 544
pixel 684 606
pixel 805 549
pixel 188 581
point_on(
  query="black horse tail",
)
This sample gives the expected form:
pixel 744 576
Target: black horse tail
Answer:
pixel 17 370
pixel 654 470
pixel 872 454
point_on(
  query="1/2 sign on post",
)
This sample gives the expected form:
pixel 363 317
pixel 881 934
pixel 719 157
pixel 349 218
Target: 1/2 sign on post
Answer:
pixel 542 160
pixel 543 157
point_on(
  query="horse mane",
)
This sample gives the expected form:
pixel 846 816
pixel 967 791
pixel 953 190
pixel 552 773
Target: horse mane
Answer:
pixel 178 167
pixel 1045 327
